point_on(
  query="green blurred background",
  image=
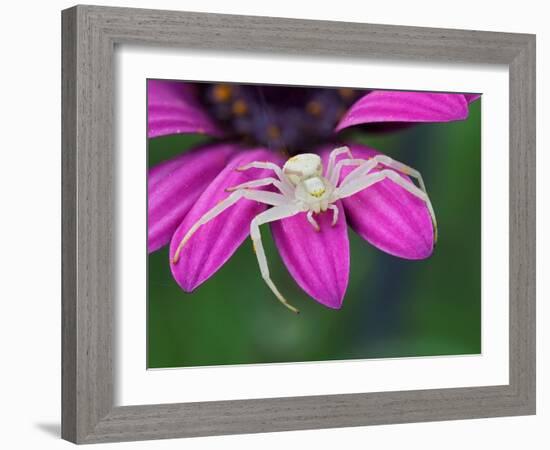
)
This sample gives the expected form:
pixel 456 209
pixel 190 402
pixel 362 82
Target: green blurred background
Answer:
pixel 393 307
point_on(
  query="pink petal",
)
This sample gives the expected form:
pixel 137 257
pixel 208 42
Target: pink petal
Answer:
pixel 318 260
pixel 401 106
pixel 214 243
pixel 388 216
pixel 174 186
pixel 172 108
pixel 471 97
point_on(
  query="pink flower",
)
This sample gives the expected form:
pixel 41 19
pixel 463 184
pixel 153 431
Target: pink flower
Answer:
pixel 268 119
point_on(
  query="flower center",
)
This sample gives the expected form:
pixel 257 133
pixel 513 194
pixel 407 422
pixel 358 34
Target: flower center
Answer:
pixel 289 119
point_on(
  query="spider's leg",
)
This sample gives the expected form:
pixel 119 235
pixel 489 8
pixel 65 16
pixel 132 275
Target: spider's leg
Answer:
pixel 335 212
pixel 353 186
pixel 371 163
pixel 271 215
pixel 262 165
pixel 268 198
pixel 263 182
pixel 358 184
pixel 334 175
pixel 360 171
pixel 403 168
pixel 312 221
pixel 407 170
pixel 269 166
pixel 333 155
pixel 413 189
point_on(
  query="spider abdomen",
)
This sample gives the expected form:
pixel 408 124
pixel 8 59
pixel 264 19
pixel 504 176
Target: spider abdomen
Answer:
pixel 303 166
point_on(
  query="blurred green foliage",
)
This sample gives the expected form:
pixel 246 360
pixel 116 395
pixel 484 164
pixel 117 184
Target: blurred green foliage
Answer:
pixel 393 307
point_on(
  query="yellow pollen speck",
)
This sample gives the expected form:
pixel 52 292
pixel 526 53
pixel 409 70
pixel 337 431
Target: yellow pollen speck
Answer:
pixel 345 93
pixel 273 132
pixel 314 108
pixel 254 247
pixel 319 193
pixel 240 108
pixel 222 92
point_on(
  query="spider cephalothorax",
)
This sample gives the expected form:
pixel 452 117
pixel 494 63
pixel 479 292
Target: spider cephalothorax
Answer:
pixel 304 188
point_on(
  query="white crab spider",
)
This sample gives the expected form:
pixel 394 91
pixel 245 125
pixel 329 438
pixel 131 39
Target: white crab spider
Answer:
pixel 303 188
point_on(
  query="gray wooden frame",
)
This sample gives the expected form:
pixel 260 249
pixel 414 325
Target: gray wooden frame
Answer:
pixel 89 36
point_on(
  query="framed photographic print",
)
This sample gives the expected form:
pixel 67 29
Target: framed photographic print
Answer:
pixel 267 229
